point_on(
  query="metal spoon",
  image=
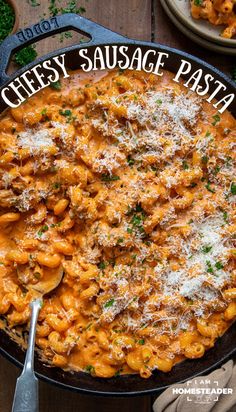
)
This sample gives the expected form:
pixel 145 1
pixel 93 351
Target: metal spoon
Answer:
pixel 26 392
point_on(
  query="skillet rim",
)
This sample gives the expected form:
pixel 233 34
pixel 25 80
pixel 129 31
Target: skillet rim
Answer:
pixel 117 39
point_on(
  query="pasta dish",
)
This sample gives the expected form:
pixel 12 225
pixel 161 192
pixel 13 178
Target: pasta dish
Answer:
pixel 126 182
pixel 217 12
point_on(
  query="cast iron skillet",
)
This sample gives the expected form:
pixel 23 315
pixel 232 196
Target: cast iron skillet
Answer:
pixel 82 382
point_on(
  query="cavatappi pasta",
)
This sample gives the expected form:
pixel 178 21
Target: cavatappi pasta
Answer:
pixel 126 180
pixel 217 12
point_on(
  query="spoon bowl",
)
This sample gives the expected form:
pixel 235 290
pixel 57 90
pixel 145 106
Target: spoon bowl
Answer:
pixel 26 392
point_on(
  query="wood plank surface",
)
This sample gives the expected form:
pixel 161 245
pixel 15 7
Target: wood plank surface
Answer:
pixel 139 19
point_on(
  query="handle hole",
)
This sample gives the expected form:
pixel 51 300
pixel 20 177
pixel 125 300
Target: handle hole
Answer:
pixel 56 42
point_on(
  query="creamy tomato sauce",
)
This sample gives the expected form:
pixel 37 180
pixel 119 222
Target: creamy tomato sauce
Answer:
pixel 126 182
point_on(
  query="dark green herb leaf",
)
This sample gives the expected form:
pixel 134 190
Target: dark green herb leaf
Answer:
pixel 7 19
pixel 33 3
pixel 43 229
pixel 185 165
pixel 209 267
pixel 66 113
pixel 209 188
pixel 205 159
pixel 225 215
pixel 56 85
pixel 118 373
pixel 219 265
pixel 44 112
pixel 25 56
pixel 109 178
pixel 102 265
pixel 89 368
pixel 130 161
pixel 206 249
pixel 120 240
pixel 109 303
pixel 216 118
pixel 233 188
pixel 216 170
pixel 56 185
pixel 37 275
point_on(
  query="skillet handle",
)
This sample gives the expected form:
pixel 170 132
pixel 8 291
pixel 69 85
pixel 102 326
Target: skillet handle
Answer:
pixel 45 28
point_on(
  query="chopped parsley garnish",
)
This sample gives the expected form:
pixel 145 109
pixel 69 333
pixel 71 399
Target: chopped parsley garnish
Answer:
pixel 216 119
pixel 206 249
pixel 193 184
pixel 89 368
pixel 70 8
pixel 33 3
pixel 7 19
pixel 102 265
pixel 120 240
pixel 209 188
pixel 205 159
pixel 109 303
pixel 219 265
pixel 43 229
pixel 56 85
pixel 228 161
pixel 109 178
pixel 25 56
pixel 44 112
pixel 66 113
pixel 141 341
pixel 185 165
pixel 198 2
pixel 65 35
pixel 225 215
pixel 138 216
pixel 233 188
pixel 207 133
pixel 117 373
pixel 209 267
pixel 138 208
pixel 216 170
pixel 56 185
pixel 159 102
pixel 136 220
pixel 130 161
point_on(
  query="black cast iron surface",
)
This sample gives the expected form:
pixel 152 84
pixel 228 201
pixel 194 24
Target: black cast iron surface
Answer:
pixel 127 385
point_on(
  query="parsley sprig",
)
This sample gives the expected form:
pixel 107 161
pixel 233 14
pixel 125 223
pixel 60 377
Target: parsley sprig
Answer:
pixel 109 178
pixel 137 219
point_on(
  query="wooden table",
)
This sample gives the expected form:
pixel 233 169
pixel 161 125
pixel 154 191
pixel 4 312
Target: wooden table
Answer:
pixel 138 19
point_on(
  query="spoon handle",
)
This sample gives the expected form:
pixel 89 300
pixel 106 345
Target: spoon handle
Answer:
pixel 26 392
